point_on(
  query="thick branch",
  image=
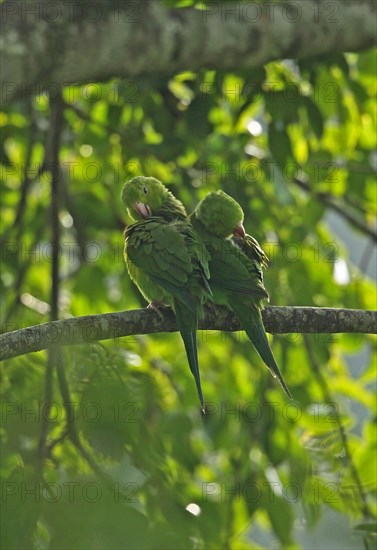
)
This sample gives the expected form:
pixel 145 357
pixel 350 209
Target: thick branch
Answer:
pixel 48 44
pixel 92 328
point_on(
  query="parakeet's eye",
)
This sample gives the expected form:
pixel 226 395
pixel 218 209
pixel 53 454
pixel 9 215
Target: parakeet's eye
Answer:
pixel 145 189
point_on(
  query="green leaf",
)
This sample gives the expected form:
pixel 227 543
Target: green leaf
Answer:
pixel 281 516
pixel 280 146
pixel 314 115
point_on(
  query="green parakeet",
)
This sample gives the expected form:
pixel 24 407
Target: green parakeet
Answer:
pixel 236 269
pixel 166 258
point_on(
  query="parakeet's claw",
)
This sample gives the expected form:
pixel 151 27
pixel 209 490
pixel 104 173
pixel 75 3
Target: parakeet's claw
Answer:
pixel 156 306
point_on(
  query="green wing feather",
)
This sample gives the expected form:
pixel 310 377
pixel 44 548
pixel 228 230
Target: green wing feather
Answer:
pixel 232 270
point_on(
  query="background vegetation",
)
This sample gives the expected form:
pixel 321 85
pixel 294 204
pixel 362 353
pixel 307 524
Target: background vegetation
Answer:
pixel 115 453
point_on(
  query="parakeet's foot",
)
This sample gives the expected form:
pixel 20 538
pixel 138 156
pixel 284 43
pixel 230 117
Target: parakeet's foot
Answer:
pixel 156 306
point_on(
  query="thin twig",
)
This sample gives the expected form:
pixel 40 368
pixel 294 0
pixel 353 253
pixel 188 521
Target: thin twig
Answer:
pixel 52 148
pixel 87 118
pixel 332 203
pixel 70 416
pixel 329 399
pixel 57 110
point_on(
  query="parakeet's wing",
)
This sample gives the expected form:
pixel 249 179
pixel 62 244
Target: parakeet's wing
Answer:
pixel 161 251
pixel 242 300
pixel 232 270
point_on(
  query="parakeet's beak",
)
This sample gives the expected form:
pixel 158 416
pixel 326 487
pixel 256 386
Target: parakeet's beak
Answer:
pixel 239 231
pixel 142 209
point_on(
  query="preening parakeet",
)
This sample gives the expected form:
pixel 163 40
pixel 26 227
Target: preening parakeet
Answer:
pixel 236 269
pixel 166 258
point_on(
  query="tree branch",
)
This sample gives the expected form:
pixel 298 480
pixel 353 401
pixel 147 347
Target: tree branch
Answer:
pixel 78 42
pixel 92 328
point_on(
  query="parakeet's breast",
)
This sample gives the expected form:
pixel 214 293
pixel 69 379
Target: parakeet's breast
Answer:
pixel 149 289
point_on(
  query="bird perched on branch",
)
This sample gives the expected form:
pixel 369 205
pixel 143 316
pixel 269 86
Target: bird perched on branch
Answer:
pixel 166 259
pixel 236 269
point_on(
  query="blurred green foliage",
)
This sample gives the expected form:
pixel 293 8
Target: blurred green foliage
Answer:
pixel 163 477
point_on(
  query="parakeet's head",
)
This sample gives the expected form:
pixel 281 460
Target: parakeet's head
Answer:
pixel 145 197
pixel 221 215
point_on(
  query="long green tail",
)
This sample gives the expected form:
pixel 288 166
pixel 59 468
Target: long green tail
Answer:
pixel 251 321
pixel 187 325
